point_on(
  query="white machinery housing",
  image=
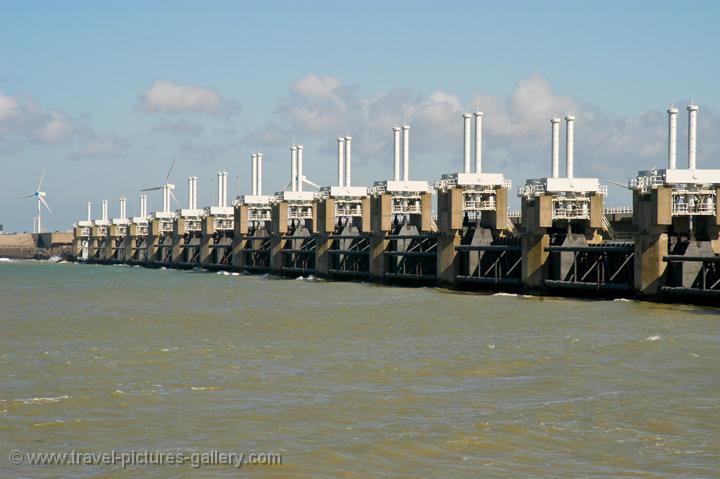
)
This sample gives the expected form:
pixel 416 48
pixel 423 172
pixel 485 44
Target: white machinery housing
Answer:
pixel 571 196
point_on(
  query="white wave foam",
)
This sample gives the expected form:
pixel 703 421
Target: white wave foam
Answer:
pixel 204 388
pixel 44 400
pixel 308 278
pixel 655 337
pixel 6 260
pixel 622 300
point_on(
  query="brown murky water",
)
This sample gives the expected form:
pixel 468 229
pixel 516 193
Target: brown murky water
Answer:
pixel 350 380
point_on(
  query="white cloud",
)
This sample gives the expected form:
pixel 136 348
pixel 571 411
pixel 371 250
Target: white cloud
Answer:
pixel 54 128
pixel 516 128
pixel 106 145
pixel 8 107
pixel 172 98
pixel 323 107
pixel 180 128
pixel 24 121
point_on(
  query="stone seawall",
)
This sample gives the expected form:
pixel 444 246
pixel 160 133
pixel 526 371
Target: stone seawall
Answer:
pixel 33 246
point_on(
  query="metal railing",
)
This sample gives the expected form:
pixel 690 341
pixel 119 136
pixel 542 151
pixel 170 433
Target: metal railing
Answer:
pixel 348 209
pixel 259 214
pixel 485 205
pixel 645 183
pixel 300 213
pixel 407 209
pixel 685 209
pixel 612 210
pixel 531 190
pixel 571 214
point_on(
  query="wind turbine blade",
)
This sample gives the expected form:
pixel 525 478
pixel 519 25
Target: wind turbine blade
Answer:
pixel 617 183
pixel 170 171
pixel 42 178
pixel 153 189
pixel 26 196
pixel 172 195
pixel 305 180
pixel 45 203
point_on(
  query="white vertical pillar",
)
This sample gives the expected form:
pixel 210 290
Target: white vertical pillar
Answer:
pixel 104 205
pixel 194 193
pixel 300 168
pixel 406 152
pixel 225 189
pixel 253 170
pixel 143 206
pixel 341 161
pixel 555 147
pixel 166 198
pixel 466 142
pixel 190 192
pixel 692 136
pixel 123 207
pixel 219 188
pixel 396 153
pixel 570 146
pixel 259 173
pixel 672 137
pixel 293 168
pixel 89 211
pixel 478 141
pixel 348 159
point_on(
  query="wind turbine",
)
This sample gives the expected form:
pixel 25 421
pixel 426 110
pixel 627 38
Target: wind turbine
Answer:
pixel 167 190
pixel 40 195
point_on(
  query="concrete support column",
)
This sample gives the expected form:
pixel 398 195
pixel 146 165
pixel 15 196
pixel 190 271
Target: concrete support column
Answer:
pixel 596 211
pixel 325 211
pixel 450 221
pixel 322 255
pixel 153 240
pixel 534 262
pixel 178 240
pixel 380 223
pixel 206 240
pixel 240 231
pixel 536 218
pixel 93 242
pixel 279 216
pixel 110 242
pixel 365 221
pixel 77 243
pixel 426 212
pixel 500 217
pixel 650 247
pixel 652 215
pixel 129 243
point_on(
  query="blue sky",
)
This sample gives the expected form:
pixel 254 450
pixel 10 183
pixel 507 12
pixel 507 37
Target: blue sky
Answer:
pixel 88 89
